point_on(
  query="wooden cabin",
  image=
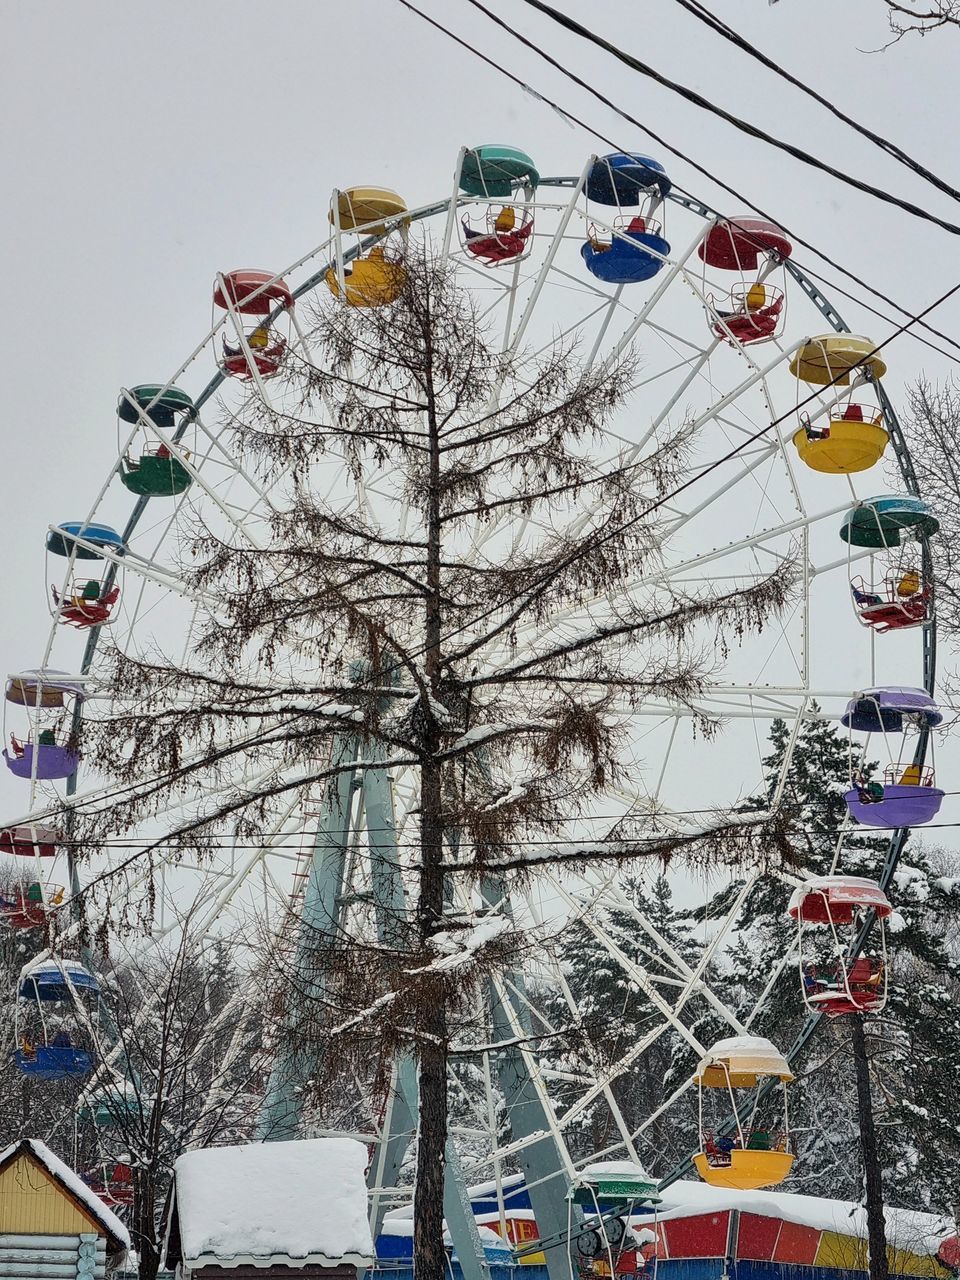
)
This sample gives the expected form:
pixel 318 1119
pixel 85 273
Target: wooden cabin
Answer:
pixel 51 1223
pixel 270 1211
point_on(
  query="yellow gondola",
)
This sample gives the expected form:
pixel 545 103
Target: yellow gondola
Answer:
pixel 361 206
pixel 832 358
pixel 372 281
pixel 749 1157
pixel 854 441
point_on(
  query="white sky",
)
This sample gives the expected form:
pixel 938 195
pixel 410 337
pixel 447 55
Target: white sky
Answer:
pixel 146 146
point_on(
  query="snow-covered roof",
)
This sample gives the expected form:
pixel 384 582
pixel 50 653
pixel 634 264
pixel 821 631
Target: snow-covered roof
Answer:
pixel 616 1169
pixel 906 1229
pixel 508 1182
pixel 494 1246
pixel 744 1056
pixel 265 1203
pixel 54 968
pixel 63 1174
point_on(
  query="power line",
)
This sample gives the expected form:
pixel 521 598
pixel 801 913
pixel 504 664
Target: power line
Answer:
pixel 724 186
pixel 858 830
pixel 723 29
pixel 744 126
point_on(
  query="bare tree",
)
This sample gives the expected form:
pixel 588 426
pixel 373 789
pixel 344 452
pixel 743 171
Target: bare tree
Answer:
pixel 933 430
pixel 181 1068
pixel 918 16
pixel 466 602
pixel 921 16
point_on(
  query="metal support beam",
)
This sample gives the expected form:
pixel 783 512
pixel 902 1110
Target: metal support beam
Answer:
pixel 543 1162
pixel 293 1065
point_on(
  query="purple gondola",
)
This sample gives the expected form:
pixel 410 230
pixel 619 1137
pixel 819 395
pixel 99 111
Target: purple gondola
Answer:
pixel 908 796
pixel 885 709
pixel 900 806
pixel 52 761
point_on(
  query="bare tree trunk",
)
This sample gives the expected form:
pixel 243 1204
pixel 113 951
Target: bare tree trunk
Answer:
pixel 144 1224
pixel 876 1228
pixel 429 1258
pixel 428 1251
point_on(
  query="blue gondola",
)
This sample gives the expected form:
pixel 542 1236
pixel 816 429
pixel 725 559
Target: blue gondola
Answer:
pixel 62 540
pixel 624 178
pixel 54 1062
pixel 48 980
pixel 627 258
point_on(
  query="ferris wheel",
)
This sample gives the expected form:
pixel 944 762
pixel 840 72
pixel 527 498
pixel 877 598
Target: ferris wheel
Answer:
pixel 787 422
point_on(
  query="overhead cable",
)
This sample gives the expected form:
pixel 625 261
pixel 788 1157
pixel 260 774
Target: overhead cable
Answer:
pixel 625 115
pixel 744 126
pixel 723 29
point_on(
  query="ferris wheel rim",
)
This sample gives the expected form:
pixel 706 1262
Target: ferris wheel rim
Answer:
pixel 833 318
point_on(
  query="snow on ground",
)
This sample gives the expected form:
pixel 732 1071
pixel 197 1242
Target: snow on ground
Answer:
pixel 304 1200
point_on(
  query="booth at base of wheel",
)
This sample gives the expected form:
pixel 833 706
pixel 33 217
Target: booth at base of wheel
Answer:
pixel 270 1209
pixel 51 1223
pixel 697 1232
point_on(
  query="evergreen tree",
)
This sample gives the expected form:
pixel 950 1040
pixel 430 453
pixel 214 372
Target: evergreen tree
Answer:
pixel 613 1013
pixel 917 1059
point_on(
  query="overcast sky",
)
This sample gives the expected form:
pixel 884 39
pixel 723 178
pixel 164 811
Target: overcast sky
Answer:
pixel 146 146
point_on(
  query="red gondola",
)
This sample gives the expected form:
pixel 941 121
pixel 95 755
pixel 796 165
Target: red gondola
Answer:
pixel 86 606
pixel 28 905
pixel 29 841
pixel 257 294
pixel 504 239
pixel 112 1183
pixel 842 985
pixel 901 600
pixel 737 244
pixel 749 313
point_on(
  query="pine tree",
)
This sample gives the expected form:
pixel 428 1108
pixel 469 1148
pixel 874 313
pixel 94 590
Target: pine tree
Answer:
pixel 613 1013
pixel 917 1059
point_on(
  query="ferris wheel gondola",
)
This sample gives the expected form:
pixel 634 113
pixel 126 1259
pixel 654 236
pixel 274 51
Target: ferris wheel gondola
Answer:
pixel 154 470
pixel 908 796
pixel 835 982
pixel 498 174
pixel 249 298
pixel 752 1154
pixel 29 841
pixel 855 435
pixel 84 599
pixel 901 596
pixel 28 904
pixel 374 278
pixel 753 310
pixel 610 1192
pixel 632 247
pixel 53 1019
pixel 47 750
